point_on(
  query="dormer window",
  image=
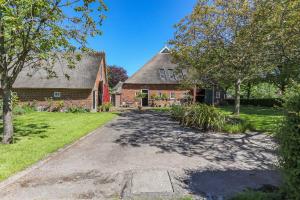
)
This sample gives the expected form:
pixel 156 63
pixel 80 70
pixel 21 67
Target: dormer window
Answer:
pixel 162 74
pixel 171 74
pixel 165 50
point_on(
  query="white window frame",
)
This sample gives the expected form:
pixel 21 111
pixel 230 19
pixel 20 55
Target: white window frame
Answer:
pixel 56 94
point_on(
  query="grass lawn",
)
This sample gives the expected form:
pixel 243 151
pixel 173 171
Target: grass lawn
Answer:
pixel 39 133
pixel 263 119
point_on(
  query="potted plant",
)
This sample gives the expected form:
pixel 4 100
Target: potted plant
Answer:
pixel 165 98
pixel 139 96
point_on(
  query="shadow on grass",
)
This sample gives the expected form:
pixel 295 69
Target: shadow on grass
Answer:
pixel 228 182
pixel 30 130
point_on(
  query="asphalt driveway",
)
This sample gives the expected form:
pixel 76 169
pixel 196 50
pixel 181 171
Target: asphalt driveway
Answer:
pixel 147 155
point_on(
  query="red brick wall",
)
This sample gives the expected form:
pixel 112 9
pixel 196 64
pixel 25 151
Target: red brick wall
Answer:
pixel 77 97
pixel 129 91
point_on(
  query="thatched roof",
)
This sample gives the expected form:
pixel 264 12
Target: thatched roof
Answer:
pixel 118 88
pixel 157 71
pixel 83 76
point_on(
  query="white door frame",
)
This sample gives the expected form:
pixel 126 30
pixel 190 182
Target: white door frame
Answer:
pixel 147 97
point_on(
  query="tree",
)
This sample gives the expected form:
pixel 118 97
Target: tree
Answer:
pixel 289 143
pixel 41 31
pixel 222 41
pixel 283 28
pixel 115 75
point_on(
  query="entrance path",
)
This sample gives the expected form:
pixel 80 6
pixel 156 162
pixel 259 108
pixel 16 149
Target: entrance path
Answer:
pixel 146 156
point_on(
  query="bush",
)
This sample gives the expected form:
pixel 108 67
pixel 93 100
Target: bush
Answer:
pixel 289 144
pixel 199 116
pixel 256 102
pixel 106 107
pixel 18 110
pixel 178 112
pixel 76 109
pixel 57 106
pixel 237 125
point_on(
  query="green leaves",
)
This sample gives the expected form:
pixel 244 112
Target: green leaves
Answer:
pixel 33 29
pixel 200 116
pixel 289 140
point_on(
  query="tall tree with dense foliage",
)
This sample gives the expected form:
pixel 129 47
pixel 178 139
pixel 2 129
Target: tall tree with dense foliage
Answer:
pixel 38 31
pixel 222 40
pixel 283 28
pixel 115 75
pixel 289 143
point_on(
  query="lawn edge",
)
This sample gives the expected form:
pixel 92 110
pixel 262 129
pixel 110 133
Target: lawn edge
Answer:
pixel 12 179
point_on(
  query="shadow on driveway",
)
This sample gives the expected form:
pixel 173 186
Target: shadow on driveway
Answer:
pixel 242 160
pixel 158 130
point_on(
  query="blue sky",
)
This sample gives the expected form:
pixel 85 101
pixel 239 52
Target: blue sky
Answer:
pixel 135 30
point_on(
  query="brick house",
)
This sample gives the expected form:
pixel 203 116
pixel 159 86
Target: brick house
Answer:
pixel 159 79
pixel 86 87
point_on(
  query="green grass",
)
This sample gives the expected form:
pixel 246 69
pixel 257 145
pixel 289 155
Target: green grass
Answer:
pixel 257 195
pixel 161 109
pixel 254 118
pixel 259 119
pixel 39 133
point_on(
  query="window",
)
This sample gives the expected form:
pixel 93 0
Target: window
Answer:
pixel 218 95
pixel 56 94
pixel 165 50
pixel 162 73
pixel 172 95
pixel 171 74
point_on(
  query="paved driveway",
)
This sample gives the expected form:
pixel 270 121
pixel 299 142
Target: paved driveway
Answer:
pixel 147 155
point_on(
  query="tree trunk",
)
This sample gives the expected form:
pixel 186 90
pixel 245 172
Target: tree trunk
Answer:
pixel 8 130
pixel 237 97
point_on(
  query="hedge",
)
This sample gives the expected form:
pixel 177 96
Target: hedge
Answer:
pixel 257 102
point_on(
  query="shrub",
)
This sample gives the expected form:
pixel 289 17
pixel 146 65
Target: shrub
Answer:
pixel 18 110
pixel 289 144
pixel 237 125
pixel 272 102
pixel 49 104
pixel 164 96
pixel 105 107
pixel 178 112
pixel 57 106
pixel 76 109
pixel 29 107
pixel 199 116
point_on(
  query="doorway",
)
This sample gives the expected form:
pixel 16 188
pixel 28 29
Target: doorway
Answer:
pixel 145 101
